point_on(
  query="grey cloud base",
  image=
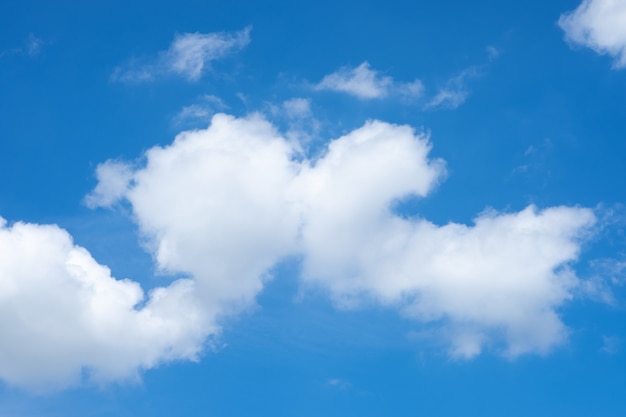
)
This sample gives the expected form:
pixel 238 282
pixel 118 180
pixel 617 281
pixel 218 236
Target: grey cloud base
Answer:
pixel 223 205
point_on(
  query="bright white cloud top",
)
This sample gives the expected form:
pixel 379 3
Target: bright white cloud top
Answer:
pixel 599 25
pixel 365 83
pixel 62 315
pixel 222 206
pixel 188 56
pixel 189 218
pixel 225 204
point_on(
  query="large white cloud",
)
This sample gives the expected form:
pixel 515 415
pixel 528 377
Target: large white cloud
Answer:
pixel 63 317
pixel 215 205
pixel 225 204
pixel 599 25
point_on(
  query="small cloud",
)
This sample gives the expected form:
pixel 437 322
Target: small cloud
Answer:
pixel 599 25
pixel 366 83
pixel 31 47
pixel 193 112
pixel 297 108
pixel 455 91
pixel 338 383
pixel 301 126
pixel 533 159
pixel 492 52
pixel 200 112
pixel 114 178
pixel 448 98
pixel 361 82
pixel 188 56
pixel 410 90
pixel 530 150
pixel 611 344
pixel 607 274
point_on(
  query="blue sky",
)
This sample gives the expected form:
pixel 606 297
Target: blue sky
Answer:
pixel 305 209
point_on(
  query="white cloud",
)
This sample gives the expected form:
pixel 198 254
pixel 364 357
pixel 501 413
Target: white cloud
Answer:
pixel 611 345
pixel 338 383
pixel 225 204
pixel 297 108
pixel 213 205
pixel 113 180
pixel 500 280
pixel 200 112
pixel 188 56
pixel 366 83
pixel 599 25
pixel 222 206
pixel 62 315
pixel 448 97
pixel 32 47
pixel 455 91
pixel 410 90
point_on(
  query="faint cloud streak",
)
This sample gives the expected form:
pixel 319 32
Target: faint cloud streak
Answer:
pixel 188 56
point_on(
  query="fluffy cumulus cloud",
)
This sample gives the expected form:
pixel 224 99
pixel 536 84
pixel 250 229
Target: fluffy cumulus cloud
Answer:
pixel 599 25
pixel 63 317
pixel 188 56
pixel 366 83
pixel 225 204
pixel 221 206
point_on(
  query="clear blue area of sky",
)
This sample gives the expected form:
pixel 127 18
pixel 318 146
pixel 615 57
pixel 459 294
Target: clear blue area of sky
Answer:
pixel 543 123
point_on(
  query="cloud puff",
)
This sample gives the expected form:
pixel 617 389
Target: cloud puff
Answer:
pixel 113 179
pixel 63 317
pixel 188 56
pixel 599 25
pixel 225 204
pixel 366 83
pixel 297 108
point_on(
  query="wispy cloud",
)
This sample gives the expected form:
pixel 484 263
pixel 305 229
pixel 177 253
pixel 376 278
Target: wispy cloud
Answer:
pixel 201 111
pixel 31 47
pixel 189 55
pixel 599 25
pixel 611 345
pixel 339 383
pixel 366 83
pixel 454 92
pixel 297 108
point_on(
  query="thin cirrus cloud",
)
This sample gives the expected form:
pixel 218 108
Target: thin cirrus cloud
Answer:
pixel 189 55
pixel 599 25
pixel 455 91
pixel 223 205
pixel 366 83
pixel 32 47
